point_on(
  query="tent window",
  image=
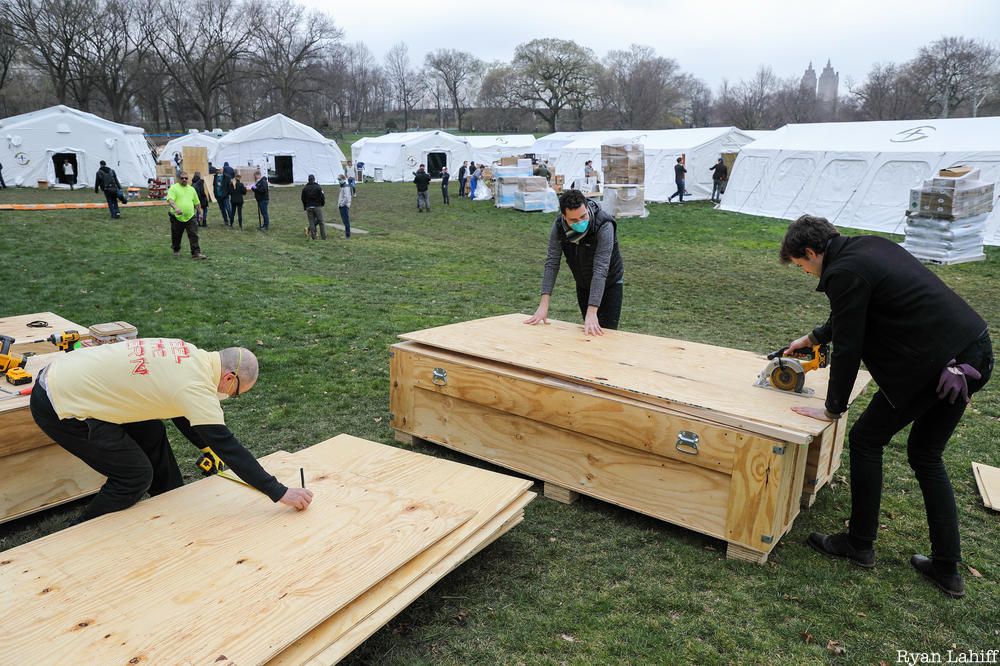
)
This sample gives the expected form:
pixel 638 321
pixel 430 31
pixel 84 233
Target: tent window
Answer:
pixel 59 161
pixel 282 170
pixel 434 163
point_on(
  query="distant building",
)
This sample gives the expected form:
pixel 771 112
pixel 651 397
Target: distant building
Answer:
pixel 826 91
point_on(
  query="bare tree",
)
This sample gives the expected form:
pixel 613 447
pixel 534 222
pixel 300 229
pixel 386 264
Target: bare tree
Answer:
pixel 459 72
pixel 695 108
pixel 883 95
pixel 640 87
pixel 498 95
pixel 746 104
pixel 198 44
pixel 551 75
pixel 952 74
pixel 53 32
pixel 364 83
pixel 8 45
pixel 292 46
pixel 408 84
pixel 791 103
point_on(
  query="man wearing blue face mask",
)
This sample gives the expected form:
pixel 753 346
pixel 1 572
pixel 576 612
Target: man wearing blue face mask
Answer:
pixel 588 238
pixel 106 406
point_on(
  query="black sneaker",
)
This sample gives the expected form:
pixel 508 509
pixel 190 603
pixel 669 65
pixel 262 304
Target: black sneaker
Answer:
pixel 837 545
pixel 950 584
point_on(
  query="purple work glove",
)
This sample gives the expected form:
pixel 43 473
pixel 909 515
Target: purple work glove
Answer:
pixel 953 383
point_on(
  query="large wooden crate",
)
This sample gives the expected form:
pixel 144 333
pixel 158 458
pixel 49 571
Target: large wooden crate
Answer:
pixel 672 429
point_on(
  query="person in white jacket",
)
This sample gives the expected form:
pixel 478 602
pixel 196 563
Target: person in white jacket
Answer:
pixel 344 204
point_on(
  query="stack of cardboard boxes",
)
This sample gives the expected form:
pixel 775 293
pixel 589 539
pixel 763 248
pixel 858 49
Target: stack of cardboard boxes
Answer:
pixel 624 167
pixel 946 219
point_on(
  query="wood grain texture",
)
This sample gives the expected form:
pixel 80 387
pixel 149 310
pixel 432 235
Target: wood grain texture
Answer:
pixel 737 552
pixel 568 405
pixel 702 380
pixel 210 571
pixel 679 493
pixel 560 494
pixel 42 478
pixel 988 481
pixel 17 328
pixel 763 499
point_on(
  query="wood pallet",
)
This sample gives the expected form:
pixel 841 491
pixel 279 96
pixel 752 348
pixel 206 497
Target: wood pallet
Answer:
pixel 668 428
pixel 214 573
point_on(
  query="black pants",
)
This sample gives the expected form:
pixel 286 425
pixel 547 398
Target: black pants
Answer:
pixel 461 187
pixel 444 194
pixel 135 457
pixel 177 229
pixel 237 213
pixel 679 193
pixel 610 310
pixel 933 421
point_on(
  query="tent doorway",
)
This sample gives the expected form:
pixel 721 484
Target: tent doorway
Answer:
pixel 282 170
pixel 434 163
pixel 59 162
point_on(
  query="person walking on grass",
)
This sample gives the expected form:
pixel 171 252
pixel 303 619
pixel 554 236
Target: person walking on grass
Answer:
pixel 69 174
pixel 116 426
pixel 344 203
pixel 588 238
pixel 473 180
pixel 222 187
pixel 198 184
pixel 445 177
pixel 106 181
pixel 185 212
pixel 422 179
pixel 237 198
pixel 313 201
pixel 679 172
pixel 927 350
pixel 263 197
pixel 462 173
pixel 720 174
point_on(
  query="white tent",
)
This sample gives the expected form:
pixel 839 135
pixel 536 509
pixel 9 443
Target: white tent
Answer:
pixel 549 146
pixel 758 134
pixel 398 155
pixel 190 140
pixel 700 148
pixel 858 175
pixel 33 143
pixel 489 149
pixel 290 149
pixel 356 148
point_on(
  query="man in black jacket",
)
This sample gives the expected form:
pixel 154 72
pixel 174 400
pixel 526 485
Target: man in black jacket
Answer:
pixel 106 181
pixel 263 198
pixel 679 172
pixel 588 238
pixel 422 180
pixel 927 350
pixel 462 171
pixel 313 201
pixel 720 174
pixel 106 406
pixel 445 177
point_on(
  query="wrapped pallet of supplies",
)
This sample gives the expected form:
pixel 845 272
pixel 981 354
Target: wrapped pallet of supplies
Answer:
pixel 623 163
pixel 625 201
pixel 946 218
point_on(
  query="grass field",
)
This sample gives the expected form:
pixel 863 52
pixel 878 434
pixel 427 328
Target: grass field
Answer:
pixel 587 583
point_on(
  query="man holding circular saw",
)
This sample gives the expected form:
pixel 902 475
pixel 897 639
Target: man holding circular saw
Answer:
pixel 927 350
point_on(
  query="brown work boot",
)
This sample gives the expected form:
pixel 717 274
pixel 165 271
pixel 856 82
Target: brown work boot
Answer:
pixel 949 583
pixel 198 256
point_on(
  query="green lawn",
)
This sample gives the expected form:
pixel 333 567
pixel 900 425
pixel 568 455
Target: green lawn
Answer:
pixel 587 583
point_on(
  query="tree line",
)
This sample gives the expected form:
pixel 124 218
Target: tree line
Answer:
pixel 173 64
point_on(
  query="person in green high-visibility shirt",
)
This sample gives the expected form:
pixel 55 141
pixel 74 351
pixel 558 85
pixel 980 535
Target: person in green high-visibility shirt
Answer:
pixel 185 213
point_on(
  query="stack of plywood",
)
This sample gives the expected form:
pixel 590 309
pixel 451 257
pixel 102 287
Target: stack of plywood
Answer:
pixel 213 573
pixel 988 482
pixel 195 160
pixel 672 429
pixel 37 473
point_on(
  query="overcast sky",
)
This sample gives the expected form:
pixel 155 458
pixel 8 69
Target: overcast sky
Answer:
pixel 712 39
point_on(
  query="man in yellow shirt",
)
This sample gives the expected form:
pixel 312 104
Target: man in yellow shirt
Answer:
pixel 106 406
pixel 185 213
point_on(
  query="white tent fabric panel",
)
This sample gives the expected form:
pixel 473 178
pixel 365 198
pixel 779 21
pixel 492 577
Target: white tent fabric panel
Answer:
pixel 199 139
pixel 548 147
pixel 258 143
pixel 29 142
pixel 488 149
pixel 859 175
pixel 399 154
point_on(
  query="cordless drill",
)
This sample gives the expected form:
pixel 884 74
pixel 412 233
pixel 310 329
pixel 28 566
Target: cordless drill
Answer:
pixel 11 364
pixel 64 340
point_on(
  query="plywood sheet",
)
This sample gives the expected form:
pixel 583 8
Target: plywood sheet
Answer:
pixel 41 479
pixel 17 328
pixel 704 380
pixel 210 572
pixel 988 481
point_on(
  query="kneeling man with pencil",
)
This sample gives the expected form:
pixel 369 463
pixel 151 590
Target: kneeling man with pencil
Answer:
pixel 106 406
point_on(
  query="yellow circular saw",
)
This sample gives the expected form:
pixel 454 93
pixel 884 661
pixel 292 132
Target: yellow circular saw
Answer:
pixel 788 372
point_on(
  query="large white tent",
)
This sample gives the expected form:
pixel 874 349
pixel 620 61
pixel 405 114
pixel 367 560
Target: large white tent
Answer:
pixel 549 146
pixel 290 149
pixel 700 148
pixel 397 155
pixel 488 149
pixel 858 174
pixel 33 143
pixel 191 140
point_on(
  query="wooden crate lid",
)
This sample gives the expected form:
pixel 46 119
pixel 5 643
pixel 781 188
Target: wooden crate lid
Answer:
pixel 710 382
pixel 112 328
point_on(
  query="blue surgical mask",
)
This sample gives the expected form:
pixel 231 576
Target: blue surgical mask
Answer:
pixel 580 227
